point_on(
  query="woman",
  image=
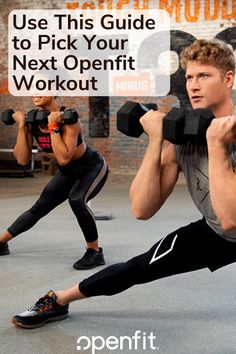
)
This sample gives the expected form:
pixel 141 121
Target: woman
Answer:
pixel 81 174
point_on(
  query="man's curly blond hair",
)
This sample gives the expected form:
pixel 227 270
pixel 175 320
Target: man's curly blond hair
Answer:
pixel 214 52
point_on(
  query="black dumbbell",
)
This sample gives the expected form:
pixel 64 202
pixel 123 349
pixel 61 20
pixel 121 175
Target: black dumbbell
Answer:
pixel 42 117
pixel 196 123
pixel 173 126
pixel 70 116
pixel 179 126
pixel 128 121
pixel 31 116
pixel 128 117
pixel 8 119
pixel 7 116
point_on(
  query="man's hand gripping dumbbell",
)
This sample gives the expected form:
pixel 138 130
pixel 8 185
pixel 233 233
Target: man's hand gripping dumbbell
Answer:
pixel 179 125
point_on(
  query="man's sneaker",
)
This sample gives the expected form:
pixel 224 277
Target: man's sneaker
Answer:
pixel 4 249
pixel 91 259
pixel 45 310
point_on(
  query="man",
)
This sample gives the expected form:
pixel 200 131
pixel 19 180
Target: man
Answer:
pixel 206 243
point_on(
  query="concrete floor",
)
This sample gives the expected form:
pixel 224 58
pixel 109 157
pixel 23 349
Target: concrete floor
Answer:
pixel 191 313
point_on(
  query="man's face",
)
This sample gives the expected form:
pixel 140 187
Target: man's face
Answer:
pixel 205 85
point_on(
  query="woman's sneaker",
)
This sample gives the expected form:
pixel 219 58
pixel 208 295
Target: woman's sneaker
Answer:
pixel 4 249
pixel 90 259
pixel 45 310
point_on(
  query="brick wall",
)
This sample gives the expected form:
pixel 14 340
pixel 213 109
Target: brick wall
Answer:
pixel 200 19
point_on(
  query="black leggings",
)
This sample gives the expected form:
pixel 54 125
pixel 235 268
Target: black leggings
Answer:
pixel 189 248
pixel 79 181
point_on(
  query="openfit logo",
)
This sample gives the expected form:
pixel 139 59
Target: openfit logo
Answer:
pixel 139 341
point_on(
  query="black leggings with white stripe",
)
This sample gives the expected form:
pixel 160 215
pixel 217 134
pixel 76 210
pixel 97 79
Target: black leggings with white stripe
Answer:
pixel 192 247
pixel 79 181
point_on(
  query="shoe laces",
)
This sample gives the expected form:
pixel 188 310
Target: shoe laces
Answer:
pixel 43 304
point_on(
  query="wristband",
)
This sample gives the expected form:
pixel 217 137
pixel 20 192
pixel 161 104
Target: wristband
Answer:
pixel 55 131
pixel 52 125
pixel 53 128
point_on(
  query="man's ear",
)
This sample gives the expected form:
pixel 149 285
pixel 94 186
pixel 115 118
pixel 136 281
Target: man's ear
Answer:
pixel 229 76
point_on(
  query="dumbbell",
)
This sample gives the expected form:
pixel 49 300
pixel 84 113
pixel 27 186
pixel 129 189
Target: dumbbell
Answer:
pixel 179 126
pixel 128 121
pixel 191 127
pixel 70 116
pixel 8 119
pixel 128 117
pixel 197 122
pixel 7 116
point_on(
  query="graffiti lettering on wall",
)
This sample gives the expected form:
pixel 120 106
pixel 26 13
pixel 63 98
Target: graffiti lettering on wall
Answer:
pixel 99 117
pixel 188 10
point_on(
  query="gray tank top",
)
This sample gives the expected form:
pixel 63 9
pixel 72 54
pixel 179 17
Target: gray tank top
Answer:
pixel 194 163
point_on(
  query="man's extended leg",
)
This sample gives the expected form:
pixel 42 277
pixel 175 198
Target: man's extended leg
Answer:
pixel 187 249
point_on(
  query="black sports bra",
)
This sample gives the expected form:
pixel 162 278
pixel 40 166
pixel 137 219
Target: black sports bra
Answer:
pixel 44 139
